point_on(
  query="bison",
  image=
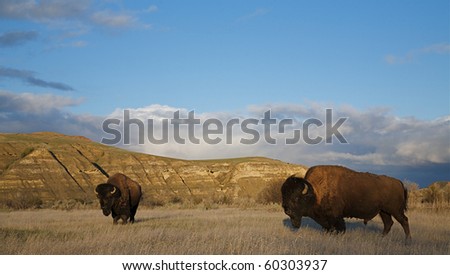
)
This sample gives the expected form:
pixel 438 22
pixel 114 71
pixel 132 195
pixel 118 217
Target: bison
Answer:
pixel 328 194
pixel 120 197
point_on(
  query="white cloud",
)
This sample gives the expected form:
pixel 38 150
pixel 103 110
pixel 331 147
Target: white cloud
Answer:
pixel 410 56
pixel 69 19
pixel 30 78
pixel 254 14
pixel 112 19
pixel 44 10
pixel 27 112
pixel 441 48
pixel 10 39
pixel 425 142
pixel 151 9
pixel 78 44
pixel 376 138
pixel 34 103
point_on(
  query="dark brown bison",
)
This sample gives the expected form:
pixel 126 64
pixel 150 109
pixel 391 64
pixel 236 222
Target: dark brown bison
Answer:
pixel 328 194
pixel 120 197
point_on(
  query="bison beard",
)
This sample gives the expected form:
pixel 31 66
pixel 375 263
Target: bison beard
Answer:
pixel 328 194
pixel 120 197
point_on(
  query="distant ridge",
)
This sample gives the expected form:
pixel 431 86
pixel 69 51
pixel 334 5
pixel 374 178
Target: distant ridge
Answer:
pixel 52 166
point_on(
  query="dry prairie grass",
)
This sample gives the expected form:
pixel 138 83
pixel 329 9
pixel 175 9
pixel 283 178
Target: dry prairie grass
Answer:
pixel 217 231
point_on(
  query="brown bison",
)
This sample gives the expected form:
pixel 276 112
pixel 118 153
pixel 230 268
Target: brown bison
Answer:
pixel 120 197
pixel 328 194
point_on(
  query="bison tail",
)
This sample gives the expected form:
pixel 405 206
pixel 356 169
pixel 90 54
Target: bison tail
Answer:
pixel 405 193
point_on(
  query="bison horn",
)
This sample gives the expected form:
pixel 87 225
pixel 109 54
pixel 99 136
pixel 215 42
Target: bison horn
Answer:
pixel 96 192
pixel 114 190
pixel 305 190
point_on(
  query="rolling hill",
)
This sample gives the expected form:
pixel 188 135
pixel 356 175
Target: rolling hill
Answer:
pixel 51 166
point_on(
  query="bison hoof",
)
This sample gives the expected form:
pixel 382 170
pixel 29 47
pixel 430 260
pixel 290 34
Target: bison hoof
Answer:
pixel 408 241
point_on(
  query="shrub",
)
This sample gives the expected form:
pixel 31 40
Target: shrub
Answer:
pixel 271 194
pixel 24 200
pixel 71 204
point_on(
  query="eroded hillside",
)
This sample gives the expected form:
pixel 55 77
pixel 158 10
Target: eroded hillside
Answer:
pixel 51 166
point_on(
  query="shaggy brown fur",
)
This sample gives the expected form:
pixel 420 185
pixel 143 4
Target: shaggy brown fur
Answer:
pixel 327 194
pixel 120 197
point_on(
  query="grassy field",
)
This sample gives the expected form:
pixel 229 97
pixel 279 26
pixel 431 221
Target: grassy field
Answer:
pixel 217 231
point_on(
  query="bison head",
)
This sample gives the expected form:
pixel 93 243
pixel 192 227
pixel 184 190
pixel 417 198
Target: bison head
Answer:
pixel 298 199
pixel 107 194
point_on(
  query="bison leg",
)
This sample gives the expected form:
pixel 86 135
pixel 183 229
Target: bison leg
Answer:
pixel 340 225
pixel 387 221
pixel 124 219
pixel 336 225
pixel 324 222
pixel 403 220
pixel 133 212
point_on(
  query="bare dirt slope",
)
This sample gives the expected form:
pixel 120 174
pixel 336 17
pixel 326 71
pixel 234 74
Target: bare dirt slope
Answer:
pixel 52 166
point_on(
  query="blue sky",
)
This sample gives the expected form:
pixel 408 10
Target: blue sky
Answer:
pixel 91 58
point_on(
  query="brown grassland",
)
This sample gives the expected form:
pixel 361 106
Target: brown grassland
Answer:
pixel 224 230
